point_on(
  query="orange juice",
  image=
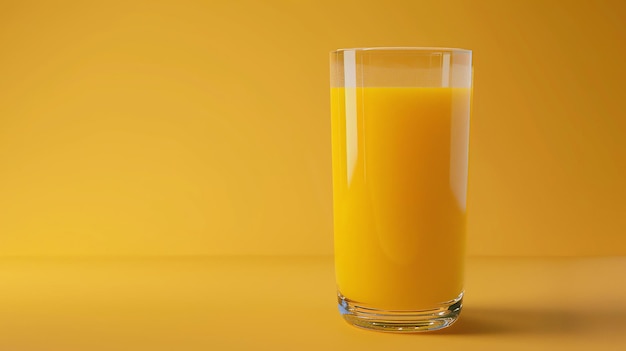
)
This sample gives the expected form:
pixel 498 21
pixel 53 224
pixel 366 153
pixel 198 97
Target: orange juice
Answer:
pixel 400 180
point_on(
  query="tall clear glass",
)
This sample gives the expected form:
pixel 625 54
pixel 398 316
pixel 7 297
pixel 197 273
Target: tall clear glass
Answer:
pixel 400 134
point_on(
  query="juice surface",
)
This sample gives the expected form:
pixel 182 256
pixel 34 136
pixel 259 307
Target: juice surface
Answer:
pixel 399 188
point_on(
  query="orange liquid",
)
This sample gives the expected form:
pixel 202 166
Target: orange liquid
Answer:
pixel 399 182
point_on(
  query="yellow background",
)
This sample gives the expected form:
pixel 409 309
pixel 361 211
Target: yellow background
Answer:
pixel 200 127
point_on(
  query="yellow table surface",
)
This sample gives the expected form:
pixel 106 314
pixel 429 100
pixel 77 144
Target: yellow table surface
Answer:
pixel 257 303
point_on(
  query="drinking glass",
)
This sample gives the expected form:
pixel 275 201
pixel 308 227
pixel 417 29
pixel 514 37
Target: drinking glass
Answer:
pixel 400 132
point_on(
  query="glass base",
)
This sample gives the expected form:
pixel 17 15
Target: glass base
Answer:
pixel 400 321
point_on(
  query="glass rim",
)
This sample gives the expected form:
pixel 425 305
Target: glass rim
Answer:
pixel 425 49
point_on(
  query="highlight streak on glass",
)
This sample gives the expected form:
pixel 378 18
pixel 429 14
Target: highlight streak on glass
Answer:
pixel 349 69
pixel 445 70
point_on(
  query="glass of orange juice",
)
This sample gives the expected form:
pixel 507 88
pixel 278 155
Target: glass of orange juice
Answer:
pixel 400 133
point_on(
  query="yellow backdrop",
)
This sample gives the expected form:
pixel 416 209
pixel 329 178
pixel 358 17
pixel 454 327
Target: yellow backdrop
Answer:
pixel 201 127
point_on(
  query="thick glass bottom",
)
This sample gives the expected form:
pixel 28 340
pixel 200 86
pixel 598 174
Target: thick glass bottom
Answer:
pixel 401 321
